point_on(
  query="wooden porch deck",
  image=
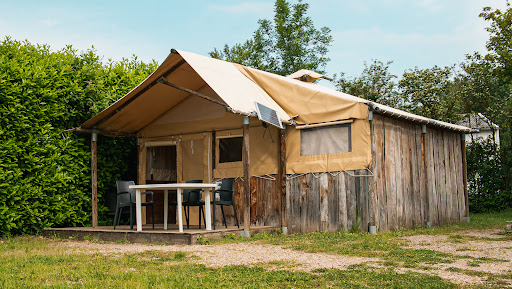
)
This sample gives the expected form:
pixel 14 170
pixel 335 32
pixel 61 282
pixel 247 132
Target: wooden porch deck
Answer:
pixel 148 235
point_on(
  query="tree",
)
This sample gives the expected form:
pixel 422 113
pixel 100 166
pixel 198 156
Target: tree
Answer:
pixel 481 91
pixel 375 83
pixel 288 43
pixel 500 40
pixel 431 93
pixel 491 75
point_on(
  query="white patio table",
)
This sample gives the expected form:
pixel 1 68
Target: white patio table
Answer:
pixel 179 188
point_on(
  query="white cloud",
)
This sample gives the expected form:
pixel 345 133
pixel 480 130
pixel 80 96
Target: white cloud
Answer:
pixel 244 8
pixel 407 49
pixel 434 6
pixel 49 22
pixel 470 35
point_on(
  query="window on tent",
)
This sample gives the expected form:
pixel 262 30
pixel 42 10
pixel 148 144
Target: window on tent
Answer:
pixel 325 140
pixel 230 149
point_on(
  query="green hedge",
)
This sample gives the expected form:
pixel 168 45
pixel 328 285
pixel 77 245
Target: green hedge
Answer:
pixel 45 174
pixel 487 177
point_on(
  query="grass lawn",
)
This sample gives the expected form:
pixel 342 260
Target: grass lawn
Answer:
pixel 33 261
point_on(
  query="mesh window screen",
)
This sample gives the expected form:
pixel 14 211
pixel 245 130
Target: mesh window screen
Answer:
pixel 230 149
pixel 161 163
pixel 326 140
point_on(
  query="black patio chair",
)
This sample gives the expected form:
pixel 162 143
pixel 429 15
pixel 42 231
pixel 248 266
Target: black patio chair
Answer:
pixel 126 198
pixel 193 198
pixel 226 198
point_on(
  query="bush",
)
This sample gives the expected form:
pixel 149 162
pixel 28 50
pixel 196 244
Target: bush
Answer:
pixel 487 178
pixel 45 174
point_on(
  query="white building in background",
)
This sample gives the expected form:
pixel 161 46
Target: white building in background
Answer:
pixel 487 129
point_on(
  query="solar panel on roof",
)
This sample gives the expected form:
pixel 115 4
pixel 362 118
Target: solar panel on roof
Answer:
pixel 268 115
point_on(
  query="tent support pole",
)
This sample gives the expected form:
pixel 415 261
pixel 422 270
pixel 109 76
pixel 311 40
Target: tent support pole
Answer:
pixel 141 170
pixel 371 198
pixel 426 217
pixel 465 176
pixel 100 131
pixel 247 179
pixel 94 178
pixel 163 81
pixel 128 101
pixel 282 179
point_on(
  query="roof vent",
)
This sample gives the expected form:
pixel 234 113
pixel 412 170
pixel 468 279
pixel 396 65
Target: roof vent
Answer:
pixel 307 75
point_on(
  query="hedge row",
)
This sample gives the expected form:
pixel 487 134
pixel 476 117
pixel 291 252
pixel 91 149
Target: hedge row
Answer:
pixel 487 177
pixel 45 174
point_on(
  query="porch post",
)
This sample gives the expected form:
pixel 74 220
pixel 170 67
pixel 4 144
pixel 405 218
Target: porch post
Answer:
pixel 141 170
pixel 247 179
pixel 372 206
pixel 427 221
pixel 94 178
pixel 465 176
pixel 282 180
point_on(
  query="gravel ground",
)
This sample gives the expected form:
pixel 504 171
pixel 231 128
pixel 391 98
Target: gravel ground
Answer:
pixel 501 251
pixel 253 254
pixel 232 254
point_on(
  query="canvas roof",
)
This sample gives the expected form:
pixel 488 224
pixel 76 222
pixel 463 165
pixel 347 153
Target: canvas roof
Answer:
pixel 312 103
pixel 238 88
pixel 151 99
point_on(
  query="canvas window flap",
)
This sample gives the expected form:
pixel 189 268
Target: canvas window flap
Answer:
pixel 192 152
pixel 359 158
pixel 161 164
pixel 326 140
pixel 194 163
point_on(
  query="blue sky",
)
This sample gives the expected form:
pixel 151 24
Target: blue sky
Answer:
pixel 420 33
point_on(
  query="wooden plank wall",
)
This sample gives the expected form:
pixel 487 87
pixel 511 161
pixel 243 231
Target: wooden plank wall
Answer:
pixel 416 182
pixel 264 204
pixel 327 202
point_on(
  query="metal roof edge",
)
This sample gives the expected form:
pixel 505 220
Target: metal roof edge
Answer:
pixel 399 114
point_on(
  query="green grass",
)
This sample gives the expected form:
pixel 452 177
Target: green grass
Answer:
pixel 389 246
pixel 32 262
pixel 493 280
pixel 361 276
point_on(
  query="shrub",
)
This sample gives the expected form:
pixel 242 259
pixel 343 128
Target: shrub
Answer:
pixel 487 178
pixel 45 174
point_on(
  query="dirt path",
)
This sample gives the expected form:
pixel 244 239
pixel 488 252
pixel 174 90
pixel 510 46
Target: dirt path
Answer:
pixel 232 254
pixel 495 255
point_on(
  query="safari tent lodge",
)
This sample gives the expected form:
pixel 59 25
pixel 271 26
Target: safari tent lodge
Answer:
pixel 305 157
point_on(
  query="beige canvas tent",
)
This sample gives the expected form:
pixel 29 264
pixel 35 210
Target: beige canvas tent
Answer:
pixel 306 157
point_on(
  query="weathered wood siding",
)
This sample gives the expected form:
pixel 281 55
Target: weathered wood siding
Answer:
pixel 265 204
pixel 327 202
pixel 418 177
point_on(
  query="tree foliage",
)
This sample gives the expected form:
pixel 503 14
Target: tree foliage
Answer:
pixel 45 174
pixel 430 93
pixel 376 83
pixel 486 88
pixel 288 43
pixel 499 46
